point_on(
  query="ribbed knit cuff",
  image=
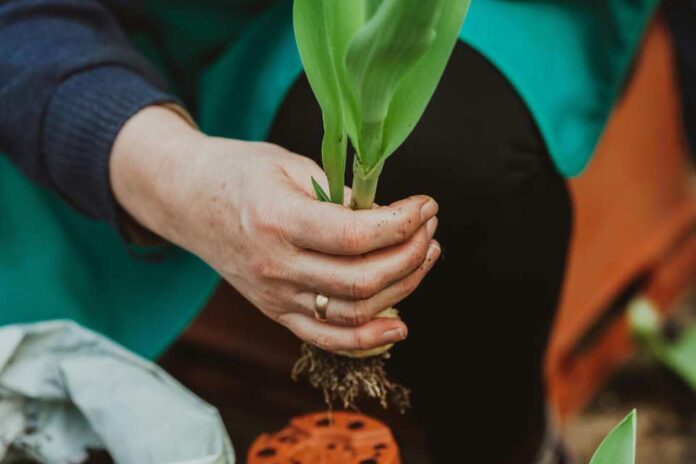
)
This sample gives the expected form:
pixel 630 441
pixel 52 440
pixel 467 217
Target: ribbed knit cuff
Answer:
pixel 83 119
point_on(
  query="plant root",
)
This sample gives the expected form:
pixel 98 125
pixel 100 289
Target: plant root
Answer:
pixel 342 379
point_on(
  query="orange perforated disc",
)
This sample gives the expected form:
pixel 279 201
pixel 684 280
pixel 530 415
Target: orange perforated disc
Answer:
pixel 323 438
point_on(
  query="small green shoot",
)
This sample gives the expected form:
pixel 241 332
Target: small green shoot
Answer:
pixel 321 194
pixel 619 447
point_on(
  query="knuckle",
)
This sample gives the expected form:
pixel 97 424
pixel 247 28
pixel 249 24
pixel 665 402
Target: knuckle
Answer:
pixel 259 221
pixel 358 315
pixel 353 237
pixel 346 317
pixel 266 269
pixel 401 228
pixel 359 341
pixel 292 305
pixel 407 286
pixel 266 229
pixel 323 341
pixel 398 223
pixel 364 286
pixel 417 255
pixel 362 313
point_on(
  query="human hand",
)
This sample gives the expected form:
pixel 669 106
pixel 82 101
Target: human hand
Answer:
pixel 247 209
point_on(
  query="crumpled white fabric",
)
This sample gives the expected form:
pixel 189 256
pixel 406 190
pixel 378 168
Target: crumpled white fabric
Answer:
pixel 65 389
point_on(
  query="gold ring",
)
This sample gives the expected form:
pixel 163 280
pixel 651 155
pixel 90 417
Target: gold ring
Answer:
pixel 321 302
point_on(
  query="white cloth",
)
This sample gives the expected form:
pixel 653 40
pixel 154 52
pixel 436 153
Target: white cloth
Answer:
pixel 65 389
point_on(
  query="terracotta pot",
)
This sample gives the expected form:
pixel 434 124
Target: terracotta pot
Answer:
pixel 323 438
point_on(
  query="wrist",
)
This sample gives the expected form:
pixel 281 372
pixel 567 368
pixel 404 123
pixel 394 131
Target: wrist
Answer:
pixel 147 161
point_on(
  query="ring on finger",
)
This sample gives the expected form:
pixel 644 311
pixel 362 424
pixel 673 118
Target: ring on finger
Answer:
pixel 321 303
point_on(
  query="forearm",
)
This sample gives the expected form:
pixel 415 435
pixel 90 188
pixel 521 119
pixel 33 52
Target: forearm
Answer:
pixel 148 164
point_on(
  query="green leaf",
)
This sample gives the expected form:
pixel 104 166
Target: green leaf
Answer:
pixel 680 356
pixel 371 7
pixel 619 447
pixel 321 194
pixel 395 37
pixel 417 87
pixel 373 66
pixel 393 64
pixel 322 30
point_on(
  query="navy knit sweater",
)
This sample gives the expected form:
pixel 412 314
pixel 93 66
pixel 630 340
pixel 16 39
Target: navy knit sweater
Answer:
pixel 69 80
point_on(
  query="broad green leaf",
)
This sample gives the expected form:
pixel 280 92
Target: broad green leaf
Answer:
pixel 321 194
pixel 371 7
pixel 322 30
pixel 393 39
pixel 417 87
pixel 373 66
pixel 619 447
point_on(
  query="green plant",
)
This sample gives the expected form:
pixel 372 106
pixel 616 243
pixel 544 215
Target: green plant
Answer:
pixel 619 447
pixel 373 66
pixel 679 354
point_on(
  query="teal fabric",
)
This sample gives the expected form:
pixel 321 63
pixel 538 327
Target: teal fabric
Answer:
pixel 568 59
pixel 56 264
pixel 261 65
pixel 233 62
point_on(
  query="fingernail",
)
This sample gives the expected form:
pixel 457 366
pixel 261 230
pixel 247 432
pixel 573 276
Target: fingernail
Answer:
pixel 428 210
pixel 394 335
pixel 431 226
pixel 433 251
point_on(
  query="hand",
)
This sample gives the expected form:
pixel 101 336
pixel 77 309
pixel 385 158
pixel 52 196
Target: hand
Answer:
pixel 247 209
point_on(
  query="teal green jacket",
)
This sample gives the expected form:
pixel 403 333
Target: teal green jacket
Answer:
pixel 233 62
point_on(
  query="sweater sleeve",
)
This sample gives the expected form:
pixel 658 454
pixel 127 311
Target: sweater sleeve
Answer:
pixel 69 80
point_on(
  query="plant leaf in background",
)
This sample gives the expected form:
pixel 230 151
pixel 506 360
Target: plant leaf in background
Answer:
pixel 322 30
pixel 619 447
pixel 678 355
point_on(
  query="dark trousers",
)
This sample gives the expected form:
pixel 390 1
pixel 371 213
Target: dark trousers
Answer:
pixel 480 321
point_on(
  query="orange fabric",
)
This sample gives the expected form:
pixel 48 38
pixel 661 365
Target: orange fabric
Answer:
pixel 634 202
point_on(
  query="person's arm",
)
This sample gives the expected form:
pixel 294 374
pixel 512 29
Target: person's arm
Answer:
pixel 69 80
pixel 248 210
pixel 80 113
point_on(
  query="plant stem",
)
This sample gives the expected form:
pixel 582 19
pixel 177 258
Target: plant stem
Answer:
pixel 364 186
pixel 333 155
pixel 364 178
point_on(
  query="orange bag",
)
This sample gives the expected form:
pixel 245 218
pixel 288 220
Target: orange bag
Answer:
pixel 635 212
